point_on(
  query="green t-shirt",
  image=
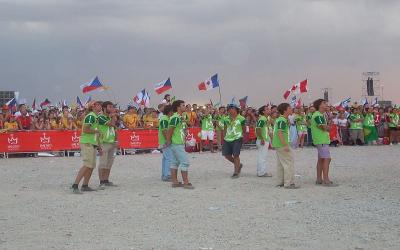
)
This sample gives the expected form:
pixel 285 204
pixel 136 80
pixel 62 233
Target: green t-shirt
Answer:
pixel 234 128
pixel 178 136
pixel 394 120
pixel 163 125
pixel 262 124
pixel 308 119
pixel 107 132
pixel 353 123
pixel 319 136
pixel 207 123
pixel 281 124
pixel 92 120
pixel 221 120
pixel 369 120
pixel 301 123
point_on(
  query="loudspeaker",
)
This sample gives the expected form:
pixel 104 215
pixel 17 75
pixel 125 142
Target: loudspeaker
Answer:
pixel 370 86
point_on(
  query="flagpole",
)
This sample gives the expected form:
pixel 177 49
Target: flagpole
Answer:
pixel 220 96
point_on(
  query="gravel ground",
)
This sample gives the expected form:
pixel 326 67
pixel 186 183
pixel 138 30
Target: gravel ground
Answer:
pixel 38 210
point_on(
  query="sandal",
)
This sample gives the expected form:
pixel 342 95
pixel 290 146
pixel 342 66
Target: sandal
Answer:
pixel 188 186
pixel 292 186
pixel 330 184
pixel 176 185
pixel 235 176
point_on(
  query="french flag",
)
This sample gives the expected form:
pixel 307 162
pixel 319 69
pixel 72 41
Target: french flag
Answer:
pixel 300 87
pixel 163 86
pixel 209 84
pixel 93 85
pixel 142 98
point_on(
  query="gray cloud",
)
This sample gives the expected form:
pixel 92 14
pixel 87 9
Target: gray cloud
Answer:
pixel 259 48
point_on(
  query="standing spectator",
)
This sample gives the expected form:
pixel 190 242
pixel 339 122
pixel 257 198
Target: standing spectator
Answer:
pixel 166 100
pixel 309 115
pixel 341 121
pixel 394 126
pixel 207 130
pixel 380 122
pixel 370 132
pixel 356 127
pixel 262 142
pixel 301 126
pixel 220 123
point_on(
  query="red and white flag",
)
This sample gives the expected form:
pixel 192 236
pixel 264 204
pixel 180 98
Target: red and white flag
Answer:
pixel 298 88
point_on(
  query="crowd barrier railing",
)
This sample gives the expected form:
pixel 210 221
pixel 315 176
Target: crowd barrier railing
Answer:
pixel 68 140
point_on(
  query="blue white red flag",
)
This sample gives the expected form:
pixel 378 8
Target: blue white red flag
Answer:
pixel 163 86
pixel 210 83
pixel 93 85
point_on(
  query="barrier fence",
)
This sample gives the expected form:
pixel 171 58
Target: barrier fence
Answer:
pixel 68 140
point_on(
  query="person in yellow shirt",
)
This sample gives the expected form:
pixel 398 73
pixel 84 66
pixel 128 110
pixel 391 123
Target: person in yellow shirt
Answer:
pixel 11 124
pixel 151 120
pixel 79 120
pixel 131 118
pixel 190 115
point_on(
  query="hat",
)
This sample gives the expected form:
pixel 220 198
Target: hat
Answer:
pixel 232 105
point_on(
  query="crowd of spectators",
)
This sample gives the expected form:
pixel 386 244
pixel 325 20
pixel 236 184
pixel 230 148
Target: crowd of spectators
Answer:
pixel 353 125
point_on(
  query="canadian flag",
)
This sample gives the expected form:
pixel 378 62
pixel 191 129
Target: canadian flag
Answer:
pixel 300 87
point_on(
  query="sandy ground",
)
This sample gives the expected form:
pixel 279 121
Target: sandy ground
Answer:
pixel 38 211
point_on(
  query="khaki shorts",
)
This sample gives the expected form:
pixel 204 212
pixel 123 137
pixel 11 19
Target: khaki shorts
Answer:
pixel 88 153
pixel 106 160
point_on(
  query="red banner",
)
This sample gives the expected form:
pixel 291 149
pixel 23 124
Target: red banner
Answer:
pixel 51 140
pixel 39 141
pixel 138 139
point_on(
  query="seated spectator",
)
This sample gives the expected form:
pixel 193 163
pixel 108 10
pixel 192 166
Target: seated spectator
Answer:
pixel 24 120
pixel 79 119
pixel 39 123
pixel 11 124
pixel 131 118
pixel 151 120
pixel 69 124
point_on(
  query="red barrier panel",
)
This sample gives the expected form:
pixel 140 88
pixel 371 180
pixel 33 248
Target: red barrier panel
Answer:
pixel 39 141
pixel 138 138
pixel 51 140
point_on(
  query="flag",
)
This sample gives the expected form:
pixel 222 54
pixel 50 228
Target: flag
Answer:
pixel 345 103
pixel 243 102
pixel 64 103
pixel 45 103
pixel 93 85
pixel 233 101
pixel 12 103
pixel 375 102
pixel 298 103
pixel 364 101
pixel 88 100
pixel 142 98
pixel 163 86
pixel 211 103
pixel 34 104
pixel 293 101
pixel 78 101
pixel 300 87
pixel 209 84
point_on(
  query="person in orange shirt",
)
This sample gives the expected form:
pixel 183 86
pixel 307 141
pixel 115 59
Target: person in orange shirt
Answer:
pixel 131 118
pixel 190 115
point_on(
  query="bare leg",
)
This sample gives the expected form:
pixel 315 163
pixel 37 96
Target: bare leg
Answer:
pixel 236 162
pixel 87 175
pixel 185 177
pixel 106 174
pixel 201 146
pixel 325 170
pixel 80 175
pixel 211 143
pixel 319 170
pixel 174 176
pixel 229 158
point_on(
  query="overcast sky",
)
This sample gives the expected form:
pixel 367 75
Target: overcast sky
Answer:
pixel 259 48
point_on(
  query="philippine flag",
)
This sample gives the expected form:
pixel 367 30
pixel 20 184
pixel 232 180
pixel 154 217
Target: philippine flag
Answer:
pixel 93 85
pixel 163 86
pixel 211 83
pixel 12 103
